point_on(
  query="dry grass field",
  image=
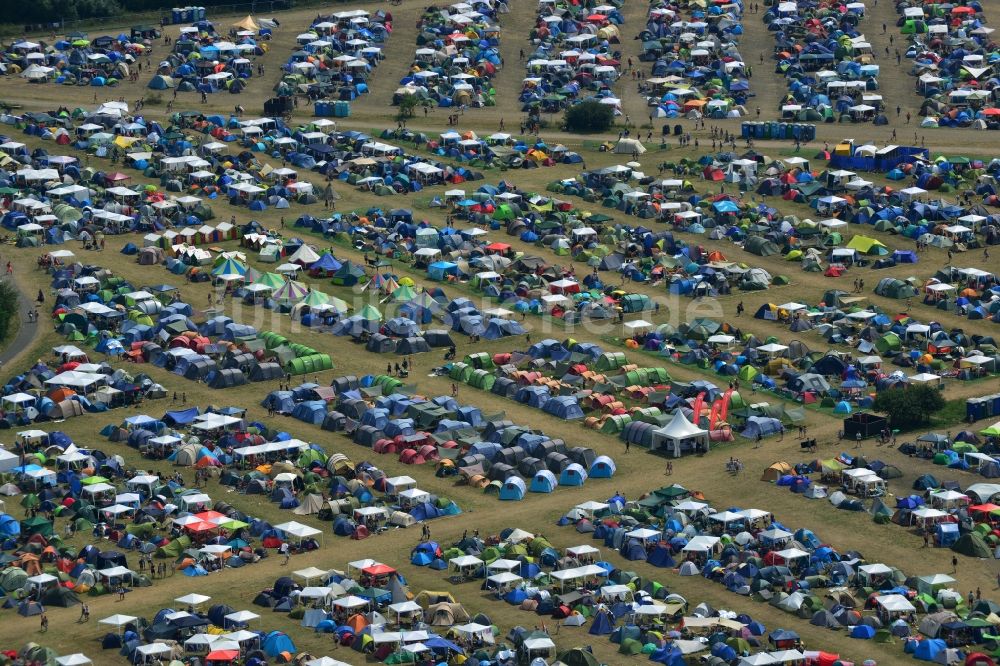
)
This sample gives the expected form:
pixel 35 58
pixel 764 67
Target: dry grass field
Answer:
pixel 638 471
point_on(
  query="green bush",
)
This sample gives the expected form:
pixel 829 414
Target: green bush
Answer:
pixel 8 307
pixel 910 407
pixel 589 117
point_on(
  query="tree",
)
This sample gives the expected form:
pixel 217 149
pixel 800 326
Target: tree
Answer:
pixel 8 307
pixel 408 106
pixel 910 407
pixel 588 117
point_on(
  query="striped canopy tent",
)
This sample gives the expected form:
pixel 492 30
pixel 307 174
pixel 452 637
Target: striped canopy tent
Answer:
pixel 382 282
pixel 404 294
pixel 370 313
pixel 338 305
pixel 291 292
pixel 390 285
pixel 252 274
pixel 272 280
pixel 229 266
pixel 314 298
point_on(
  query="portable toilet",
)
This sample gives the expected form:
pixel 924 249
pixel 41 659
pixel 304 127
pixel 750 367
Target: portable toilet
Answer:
pixel 947 534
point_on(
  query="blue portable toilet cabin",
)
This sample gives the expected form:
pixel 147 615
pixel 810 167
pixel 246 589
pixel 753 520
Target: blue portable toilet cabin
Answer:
pixel 947 534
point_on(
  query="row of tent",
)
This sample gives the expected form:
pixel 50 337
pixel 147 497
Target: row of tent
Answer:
pixel 492 455
pixel 335 57
pixel 950 50
pixel 781 567
pixel 834 75
pixel 697 69
pixel 456 58
pixel 574 58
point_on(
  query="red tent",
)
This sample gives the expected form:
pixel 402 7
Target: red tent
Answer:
pixel 222 656
pixel 378 570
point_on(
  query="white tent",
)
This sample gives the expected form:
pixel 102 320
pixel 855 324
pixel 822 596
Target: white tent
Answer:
pixel 679 433
pixel 629 146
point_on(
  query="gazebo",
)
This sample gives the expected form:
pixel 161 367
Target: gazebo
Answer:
pixel 678 435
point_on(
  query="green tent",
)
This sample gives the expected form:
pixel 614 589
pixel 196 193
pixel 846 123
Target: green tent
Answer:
pixel 370 313
pixel 461 372
pixel 888 342
pixel 315 298
pixel 174 548
pixel 272 280
pixel 482 380
pixel 578 656
pixel 868 245
pixel 404 293
pixel 503 213
pixel 12 579
pixel 610 361
pixel 36 525
pixel 636 303
pixel 971 544
pixel 480 360
pixel 630 646
pixel 615 423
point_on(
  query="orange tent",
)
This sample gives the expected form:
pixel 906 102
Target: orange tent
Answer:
pixel 31 564
pixel 357 622
pixel 60 394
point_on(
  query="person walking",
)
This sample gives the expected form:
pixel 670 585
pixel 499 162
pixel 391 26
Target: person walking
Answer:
pixel 45 622
pixel 954 564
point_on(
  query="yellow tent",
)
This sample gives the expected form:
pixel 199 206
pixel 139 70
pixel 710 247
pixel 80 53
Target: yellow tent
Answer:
pixel 610 33
pixel 247 24
pixel 125 141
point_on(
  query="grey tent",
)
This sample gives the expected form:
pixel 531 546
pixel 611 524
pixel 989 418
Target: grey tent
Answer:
pixel 263 372
pixel 761 246
pixel 414 345
pixel 809 381
pixel 227 378
pixel 895 288
pixel 438 338
pixel 381 344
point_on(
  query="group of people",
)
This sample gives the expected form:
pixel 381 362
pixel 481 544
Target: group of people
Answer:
pixel 399 370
